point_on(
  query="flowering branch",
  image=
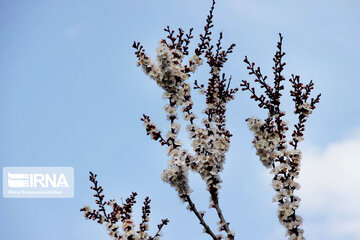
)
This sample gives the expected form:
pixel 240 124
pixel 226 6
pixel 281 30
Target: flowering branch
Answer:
pixel 270 138
pixel 122 213
pixel 210 142
pixel 210 138
pixel 303 109
pixel 160 226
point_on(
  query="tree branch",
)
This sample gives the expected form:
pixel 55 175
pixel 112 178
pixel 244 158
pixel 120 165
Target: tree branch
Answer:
pixel 200 217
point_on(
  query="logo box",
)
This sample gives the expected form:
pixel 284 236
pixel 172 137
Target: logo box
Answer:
pixel 38 182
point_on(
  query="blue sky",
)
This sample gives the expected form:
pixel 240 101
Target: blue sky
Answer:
pixel 71 95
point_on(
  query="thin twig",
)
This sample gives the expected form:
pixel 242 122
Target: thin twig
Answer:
pixel 224 222
pixel 200 217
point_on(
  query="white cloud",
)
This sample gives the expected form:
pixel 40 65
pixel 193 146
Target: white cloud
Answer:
pixel 330 192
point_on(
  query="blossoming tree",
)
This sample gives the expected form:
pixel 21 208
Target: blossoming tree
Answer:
pixel 210 137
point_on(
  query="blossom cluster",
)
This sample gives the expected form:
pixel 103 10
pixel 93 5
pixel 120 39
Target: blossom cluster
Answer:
pixel 210 139
pixel 209 136
pixel 121 213
pixel 270 138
